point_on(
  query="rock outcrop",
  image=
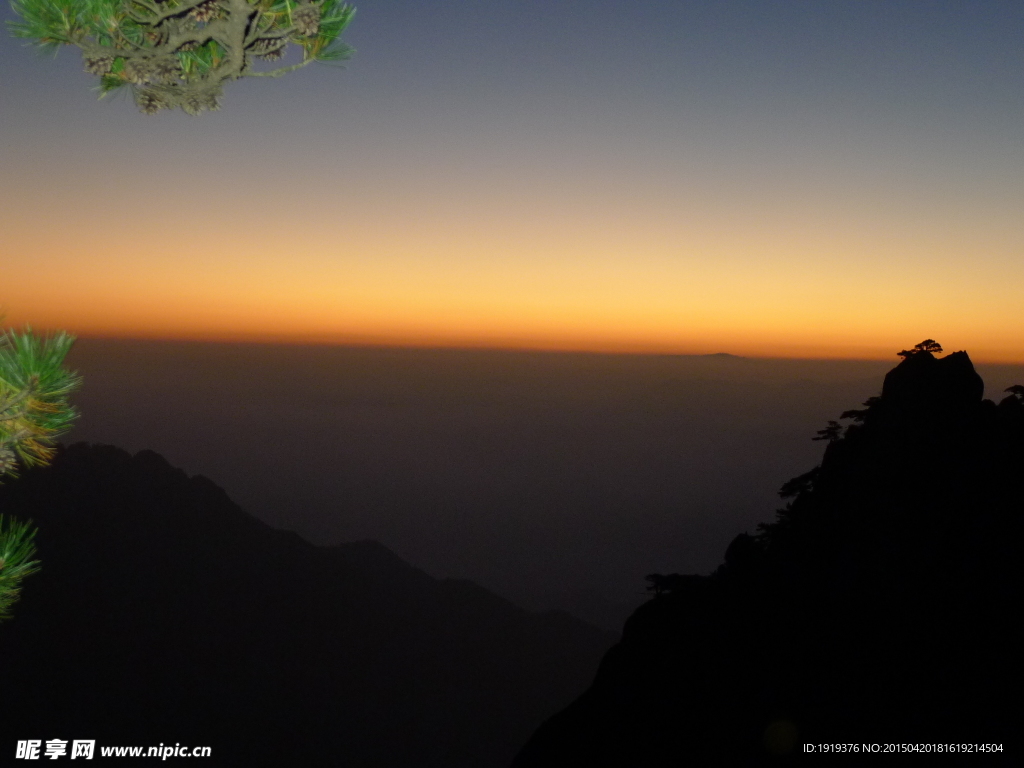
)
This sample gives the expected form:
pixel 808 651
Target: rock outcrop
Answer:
pixel 924 383
pixel 883 606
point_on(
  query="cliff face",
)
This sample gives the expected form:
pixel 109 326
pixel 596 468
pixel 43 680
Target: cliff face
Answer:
pixel 163 613
pixel 884 604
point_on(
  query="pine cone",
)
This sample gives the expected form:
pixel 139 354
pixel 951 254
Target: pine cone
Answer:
pixel 150 102
pixel 205 12
pixel 138 71
pixel 213 100
pixel 167 69
pixel 270 49
pixel 198 102
pixel 306 19
pixel 98 65
pixel 193 105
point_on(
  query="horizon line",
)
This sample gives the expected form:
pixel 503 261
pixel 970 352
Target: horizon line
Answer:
pixel 496 347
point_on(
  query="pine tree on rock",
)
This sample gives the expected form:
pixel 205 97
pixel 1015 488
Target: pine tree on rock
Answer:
pixel 931 346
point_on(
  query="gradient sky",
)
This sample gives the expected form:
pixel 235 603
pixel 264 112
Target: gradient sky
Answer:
pixel 811 178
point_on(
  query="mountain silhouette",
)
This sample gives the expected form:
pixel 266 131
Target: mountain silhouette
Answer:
pixel 165 614
pixel 882 606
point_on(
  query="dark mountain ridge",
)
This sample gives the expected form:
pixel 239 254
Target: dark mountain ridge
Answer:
pixel 883 605
pixel 163 613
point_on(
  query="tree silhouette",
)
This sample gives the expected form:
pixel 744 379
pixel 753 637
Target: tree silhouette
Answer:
pixel 799 484
pixel 664 583
pixel 657 582
pixel 832 432
pixel 179 53
pixel 928 345
pixel 34 411
pixel 859 414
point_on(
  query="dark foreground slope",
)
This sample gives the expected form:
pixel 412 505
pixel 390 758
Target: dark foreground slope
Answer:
pixel 884 605
pixel 165 614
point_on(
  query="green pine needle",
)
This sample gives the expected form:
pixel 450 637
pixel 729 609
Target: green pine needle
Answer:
pixel 34 388
pixel 16 551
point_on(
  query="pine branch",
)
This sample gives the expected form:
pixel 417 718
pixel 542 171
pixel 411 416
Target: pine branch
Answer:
pixel 280 71
pixel 166 59
pixel 33 394
pixel 159 17
pixel 16 551
pixel 8 402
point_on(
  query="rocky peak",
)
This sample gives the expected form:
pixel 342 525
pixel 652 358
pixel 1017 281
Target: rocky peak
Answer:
pixel 923 383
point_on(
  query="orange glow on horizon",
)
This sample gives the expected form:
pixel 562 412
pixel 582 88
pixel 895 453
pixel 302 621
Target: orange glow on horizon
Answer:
pixel 554 266
pixel 765 345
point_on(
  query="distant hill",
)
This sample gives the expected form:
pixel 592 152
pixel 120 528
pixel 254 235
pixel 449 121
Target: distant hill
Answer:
pixel 883 606
pixel 165 614
pixel 555 480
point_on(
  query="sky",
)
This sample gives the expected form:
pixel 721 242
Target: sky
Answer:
pixel 776 179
